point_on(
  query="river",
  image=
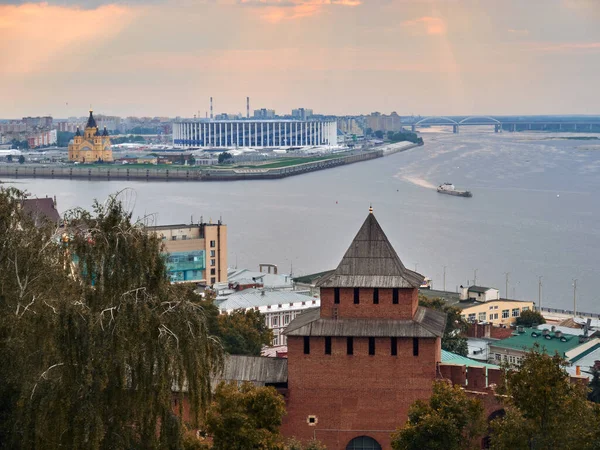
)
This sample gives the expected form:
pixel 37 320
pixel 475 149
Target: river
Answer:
pixel 535 212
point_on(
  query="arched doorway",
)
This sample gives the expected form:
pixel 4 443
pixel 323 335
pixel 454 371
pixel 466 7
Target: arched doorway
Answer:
pixel 363 443
pixel 487 440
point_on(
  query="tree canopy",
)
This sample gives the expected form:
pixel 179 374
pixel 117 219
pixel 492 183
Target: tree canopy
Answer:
pixel 530 318
pixel 244 332
pixel 454 339
pixel 450 420
pixel 96 335
pixel 245 417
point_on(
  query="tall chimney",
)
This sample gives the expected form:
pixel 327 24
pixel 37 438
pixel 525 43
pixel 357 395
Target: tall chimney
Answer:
pixel 247 107
pixel 211 108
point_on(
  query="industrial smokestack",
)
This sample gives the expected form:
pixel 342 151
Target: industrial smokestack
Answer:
pixel 211 108
pixel 247 107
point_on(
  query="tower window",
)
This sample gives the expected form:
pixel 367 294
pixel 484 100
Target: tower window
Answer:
pixel 307 345
pixel 415 346
pixel 350 346
pixel 395 296
pixel 356 296
pixel 371 346
pixel 336 295
pixel 328 345
pixel 394 346
pixel 376 296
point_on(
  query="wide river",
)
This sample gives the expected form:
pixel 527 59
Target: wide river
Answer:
pixel 535 212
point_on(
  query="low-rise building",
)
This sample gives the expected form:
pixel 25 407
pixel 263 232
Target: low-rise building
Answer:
pixel 196 252
pixel 479 293
pixel 279 307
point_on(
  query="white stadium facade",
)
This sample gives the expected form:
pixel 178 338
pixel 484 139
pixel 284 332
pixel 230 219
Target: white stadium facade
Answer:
pixel 207 133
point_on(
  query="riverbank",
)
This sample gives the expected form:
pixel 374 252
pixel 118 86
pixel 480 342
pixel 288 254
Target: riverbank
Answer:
pixel 186 173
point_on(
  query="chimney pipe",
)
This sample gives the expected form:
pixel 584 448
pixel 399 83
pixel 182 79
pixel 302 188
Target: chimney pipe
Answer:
pixel 247 107
pixel 211 108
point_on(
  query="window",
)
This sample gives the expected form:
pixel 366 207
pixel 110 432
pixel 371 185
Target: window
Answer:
pixel 336 295
pixel 376 296
pixel 496 316
pixel 491 307
pixel 472 317
pixel 213 271
pixel 482 316
pixel 496 307
pixel 213 280
pixel 350 346
pixel 280 306
pixel 173 238
pixel 274 321
pixel 394 346
pixel 515 312
pixel 525 308
pixel 415 346
pixel 328 345
pixel 498 357
pixel 212 262
pixel 286 319
pixel 184 237
pixel 395 296
pixel 212 253
pixel 371 346
pixel 213 244
pixel 363 443
pixel 505 313
pixel 356 296
pixel 307 345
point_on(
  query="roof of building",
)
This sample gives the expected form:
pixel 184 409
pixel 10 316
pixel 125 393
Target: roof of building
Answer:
pixel 453 358
pixel 105 132
pixel 586 360
pixel 41 209
pixel 251 298
pixel 526 340
pixel 91 122
pixel 256 369
pixel 371 262
pixel 268 280
pixel 182 225
pixel 312 278
pixel 427 323
pixel 480 289
pixel 453 298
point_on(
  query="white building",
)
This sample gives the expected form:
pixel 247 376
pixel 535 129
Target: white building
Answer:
pixel 205 133
pixel 479 293
pixel 278 307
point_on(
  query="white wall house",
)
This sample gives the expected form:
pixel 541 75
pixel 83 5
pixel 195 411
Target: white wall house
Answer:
pixel 479 293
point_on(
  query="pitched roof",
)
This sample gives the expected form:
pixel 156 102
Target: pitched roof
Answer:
pixel 371 262
pixel 530 336
pixel 256 369
pixel 91 123
pixel 480 289
pixel 427 323
pixel 453 358
pixel 41 209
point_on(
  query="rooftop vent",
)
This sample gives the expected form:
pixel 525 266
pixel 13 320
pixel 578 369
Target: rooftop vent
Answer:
pixel 520 329
pixel 558 334
pixel 545 332
pixel 582 338
pixel 534 334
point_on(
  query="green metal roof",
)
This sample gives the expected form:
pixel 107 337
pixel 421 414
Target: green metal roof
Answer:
pixel 526 340
pixel 453 358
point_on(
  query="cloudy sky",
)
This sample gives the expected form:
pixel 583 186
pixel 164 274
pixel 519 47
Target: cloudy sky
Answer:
pixel 167 57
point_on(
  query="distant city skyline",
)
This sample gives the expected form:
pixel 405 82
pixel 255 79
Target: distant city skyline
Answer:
pixel 421 57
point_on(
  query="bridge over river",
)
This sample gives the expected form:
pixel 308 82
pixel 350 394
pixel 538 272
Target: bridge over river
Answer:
pixel 591 124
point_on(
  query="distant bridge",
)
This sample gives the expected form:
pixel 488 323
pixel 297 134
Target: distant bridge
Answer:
pixel 511 125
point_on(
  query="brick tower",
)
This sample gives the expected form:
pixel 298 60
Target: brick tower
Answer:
pixel 356 364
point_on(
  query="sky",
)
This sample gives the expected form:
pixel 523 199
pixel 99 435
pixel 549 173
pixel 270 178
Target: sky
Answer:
pixel 427 57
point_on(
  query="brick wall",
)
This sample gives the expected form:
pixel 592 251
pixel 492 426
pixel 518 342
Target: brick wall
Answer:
pixel 408 300
pixel 358 392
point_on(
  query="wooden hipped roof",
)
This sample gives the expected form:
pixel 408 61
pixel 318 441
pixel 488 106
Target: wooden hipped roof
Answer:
pixel 371 262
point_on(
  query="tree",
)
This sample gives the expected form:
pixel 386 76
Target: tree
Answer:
pixel 9 158
pixel 63 138
pixel 530 318
pixel 369 131
pixel 225 157
pixel 244 332
pixel 191 160
pixel 245 417
pixel 543 408
pixel 313 444
pixel 594 394
pixel 454 339
pixel 21 159
pixel 450 420
pixel 100 336
pixel 378 134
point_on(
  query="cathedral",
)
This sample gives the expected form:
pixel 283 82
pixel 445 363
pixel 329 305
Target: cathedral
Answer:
pixel 92 146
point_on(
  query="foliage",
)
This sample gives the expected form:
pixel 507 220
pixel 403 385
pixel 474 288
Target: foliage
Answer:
pixel 450 420
pixel 369 132
pixel 21 159
pixel 378 134
pixel 244 332
pixel 245 417
pixel 405 136
pixel 225 157
pixel 544 409
pixel 313 444
pixel 130 139
pixel 191 160
pixel 594 394
pixel 529 318
pixel 21 145
pixel 96 335
pixel 454 339
pixel 63 138
pixel 9 158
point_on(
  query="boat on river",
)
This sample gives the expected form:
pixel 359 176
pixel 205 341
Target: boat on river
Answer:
pixel 448 188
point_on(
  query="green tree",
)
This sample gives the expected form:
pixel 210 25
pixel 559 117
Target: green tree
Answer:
pixel 450 420
pixel 63 138
pixel 543 408
pixel 530 318
pixel 100 336
pixel 454 339
pixel 191 160
pixel 225 157
pixel 594 394
pixel 244 332
pixel 378 134
pixel 21 159
pixel 245 417
pixel 9 158
pixel 295 444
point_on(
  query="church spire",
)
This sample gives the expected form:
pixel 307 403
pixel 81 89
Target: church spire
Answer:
pixel 91 123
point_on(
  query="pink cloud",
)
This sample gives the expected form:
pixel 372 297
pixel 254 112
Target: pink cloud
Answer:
pixel 429 25
pixel 275 11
